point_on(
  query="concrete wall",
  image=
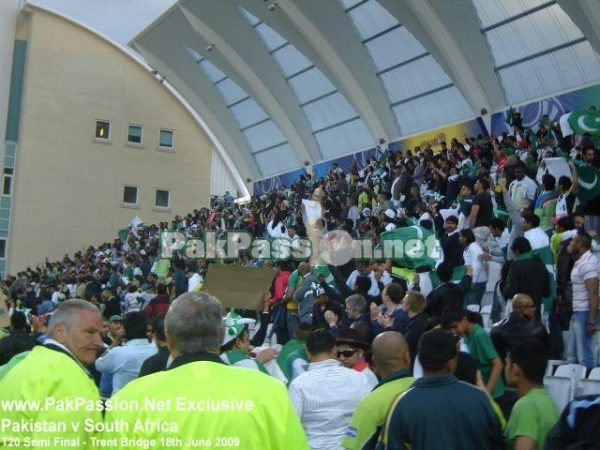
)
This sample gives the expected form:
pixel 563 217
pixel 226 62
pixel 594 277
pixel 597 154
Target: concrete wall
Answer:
pixel 68 188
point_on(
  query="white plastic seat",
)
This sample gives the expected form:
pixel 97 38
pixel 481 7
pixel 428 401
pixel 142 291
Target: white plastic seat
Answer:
pixel 552 365
pixel 474 308
pixel 559 389
pixel 589 387
pixel 594 374
pixel 485 312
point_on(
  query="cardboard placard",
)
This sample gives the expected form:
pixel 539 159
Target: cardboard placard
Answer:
pixel 238 287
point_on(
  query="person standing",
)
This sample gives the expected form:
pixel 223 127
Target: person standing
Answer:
pixel 585 319
pixel 57 372
pixel 326 395
pixel 194 330
pixel 440 412
pixel 535 413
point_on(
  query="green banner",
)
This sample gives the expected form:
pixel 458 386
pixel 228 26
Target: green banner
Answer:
pixel 589 185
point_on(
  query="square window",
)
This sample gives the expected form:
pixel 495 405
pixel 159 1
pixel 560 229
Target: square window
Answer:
pixel 166 139
pixel 162 198
pixel 130 195
pixel 102 129
pixel 134 135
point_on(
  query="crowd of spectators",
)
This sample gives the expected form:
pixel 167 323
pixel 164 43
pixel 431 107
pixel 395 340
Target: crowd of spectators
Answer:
pixel 371 323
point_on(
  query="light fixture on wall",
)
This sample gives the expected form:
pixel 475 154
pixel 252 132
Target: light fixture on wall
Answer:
pixel 210 48
pixel 248 180
pixel 483 111
pixel 273 5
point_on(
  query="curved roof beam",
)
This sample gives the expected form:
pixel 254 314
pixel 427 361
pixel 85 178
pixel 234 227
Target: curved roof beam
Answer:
pixel 450 31
pixel 325 26
pixel 585 14
pixel 170 58
pixel 249 60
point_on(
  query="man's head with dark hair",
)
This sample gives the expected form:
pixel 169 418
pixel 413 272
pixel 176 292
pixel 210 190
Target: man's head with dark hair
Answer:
pixel 444 272
pixel 527 360
pixel 161 289
pixel 320 345
pixel 548 182
pixel 134 324
pixel 467 237
pixel 565 223
pixel 521 245
pixel 437 351
pixel 530 221
pixel 564 184
pixel 303 330
pixel 158 327
pixel 496 227
pixel 395 292
pixel 18 321
pixel 362 283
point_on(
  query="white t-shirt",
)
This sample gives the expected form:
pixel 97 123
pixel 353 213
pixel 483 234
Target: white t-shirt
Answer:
pixel 471 257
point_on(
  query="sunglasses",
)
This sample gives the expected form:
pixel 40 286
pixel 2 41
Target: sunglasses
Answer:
pixel 346 353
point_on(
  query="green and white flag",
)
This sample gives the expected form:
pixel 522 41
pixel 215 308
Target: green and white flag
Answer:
pixel 585 122
pixel 411 247
pixel 589 185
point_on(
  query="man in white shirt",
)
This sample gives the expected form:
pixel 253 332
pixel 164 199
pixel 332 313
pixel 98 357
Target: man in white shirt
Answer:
pixel 585 320
pixel 326 395
pixel 472 256
pixel 363 268
pixel 533 233
pixel 194 278
pixel 523 189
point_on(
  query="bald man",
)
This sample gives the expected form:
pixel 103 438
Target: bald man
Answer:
pixel 391 361
pixel 520 324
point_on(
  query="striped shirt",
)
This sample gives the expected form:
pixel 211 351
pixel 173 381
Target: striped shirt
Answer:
pixel 325 397
pixel 585 268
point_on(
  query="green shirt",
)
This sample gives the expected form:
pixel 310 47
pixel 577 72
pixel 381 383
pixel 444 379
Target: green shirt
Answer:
pixel 483 351
pixel 372 410
pixel 532 416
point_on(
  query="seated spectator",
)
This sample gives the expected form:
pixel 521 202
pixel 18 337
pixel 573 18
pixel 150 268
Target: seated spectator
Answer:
pixel 125 361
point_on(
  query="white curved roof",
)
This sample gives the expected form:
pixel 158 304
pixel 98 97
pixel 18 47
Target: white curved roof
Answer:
pixel 288 83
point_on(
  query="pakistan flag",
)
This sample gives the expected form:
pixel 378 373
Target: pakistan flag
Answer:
pixel 589 184
pixel 585 122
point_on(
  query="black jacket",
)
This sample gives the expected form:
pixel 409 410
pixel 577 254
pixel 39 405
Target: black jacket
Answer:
pixel 447 294
pixel 453 251
pixel 528 276
pixel 514 329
